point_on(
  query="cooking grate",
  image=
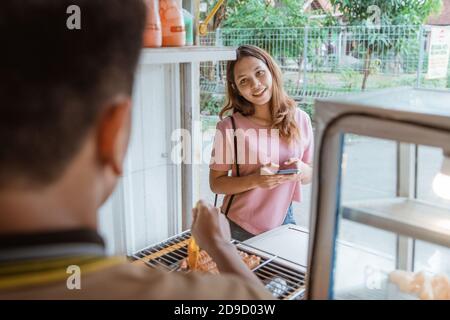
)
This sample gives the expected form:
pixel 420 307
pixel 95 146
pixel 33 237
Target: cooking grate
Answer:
pixel 283 281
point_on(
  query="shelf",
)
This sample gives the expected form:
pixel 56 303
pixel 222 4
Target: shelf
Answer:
pixel 408 217
pixel 387 291
pixel 186 54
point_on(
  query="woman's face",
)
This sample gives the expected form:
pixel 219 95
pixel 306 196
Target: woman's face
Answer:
pixel 253 80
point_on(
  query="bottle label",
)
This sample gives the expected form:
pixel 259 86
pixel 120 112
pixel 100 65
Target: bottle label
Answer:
pixel 177 29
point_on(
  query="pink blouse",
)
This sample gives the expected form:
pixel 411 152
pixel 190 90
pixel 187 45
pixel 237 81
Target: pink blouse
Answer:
pixel 259 210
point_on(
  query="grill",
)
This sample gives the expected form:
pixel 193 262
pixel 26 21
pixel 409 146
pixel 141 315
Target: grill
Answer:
pixel 281 277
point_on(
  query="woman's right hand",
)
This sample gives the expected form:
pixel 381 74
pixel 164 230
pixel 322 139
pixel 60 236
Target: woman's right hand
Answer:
pixel 269 181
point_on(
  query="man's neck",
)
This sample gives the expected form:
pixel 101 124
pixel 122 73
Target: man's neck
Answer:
pixel 69 203
pixel 29 212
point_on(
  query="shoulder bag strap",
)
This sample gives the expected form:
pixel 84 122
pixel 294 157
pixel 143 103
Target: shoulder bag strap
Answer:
pixel 236 164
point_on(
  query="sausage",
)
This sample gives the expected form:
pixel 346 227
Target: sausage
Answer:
pixel 206 263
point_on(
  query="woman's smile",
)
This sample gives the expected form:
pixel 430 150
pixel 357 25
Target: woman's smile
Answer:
pixel 260 93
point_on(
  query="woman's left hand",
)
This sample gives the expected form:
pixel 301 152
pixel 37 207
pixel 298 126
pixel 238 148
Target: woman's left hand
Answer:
pixel 305 175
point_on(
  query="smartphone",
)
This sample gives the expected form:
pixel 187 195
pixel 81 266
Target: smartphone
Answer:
pixel 288 171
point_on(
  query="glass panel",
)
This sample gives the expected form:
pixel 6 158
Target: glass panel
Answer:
pixel 369 172
pixel 365 255
pixel 429 164
pixel 369 168
pixel 360 271
pixel 431 258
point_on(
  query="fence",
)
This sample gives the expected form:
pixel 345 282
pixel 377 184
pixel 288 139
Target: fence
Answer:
pixel 324 61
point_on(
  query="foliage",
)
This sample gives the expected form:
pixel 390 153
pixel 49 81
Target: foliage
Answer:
pixel 258 15
pixel 393 12
pixel 210 104
pixel 308 108
pixel 280 27
pixel 382 16
pixel 349 78
pixel 264 14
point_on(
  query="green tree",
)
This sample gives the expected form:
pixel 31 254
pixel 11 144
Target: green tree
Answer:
pixel 250 21
pixel 393 12
pixel 379 14
pixel 264 14
pixel 274 25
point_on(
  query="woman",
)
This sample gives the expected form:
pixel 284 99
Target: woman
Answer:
pixel 263 115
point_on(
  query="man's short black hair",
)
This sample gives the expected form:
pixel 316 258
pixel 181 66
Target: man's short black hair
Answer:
pixel 54 80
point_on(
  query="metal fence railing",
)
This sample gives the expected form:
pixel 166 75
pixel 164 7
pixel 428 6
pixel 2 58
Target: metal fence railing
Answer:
pixel 324 61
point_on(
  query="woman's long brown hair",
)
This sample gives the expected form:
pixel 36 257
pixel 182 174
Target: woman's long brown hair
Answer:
pixel 282 107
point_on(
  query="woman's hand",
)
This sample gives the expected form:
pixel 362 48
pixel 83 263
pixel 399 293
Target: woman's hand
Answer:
pixel 305 175
pixel 270 181
pixel 221 183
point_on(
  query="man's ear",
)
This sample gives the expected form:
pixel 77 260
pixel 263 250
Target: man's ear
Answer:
pixel 114 133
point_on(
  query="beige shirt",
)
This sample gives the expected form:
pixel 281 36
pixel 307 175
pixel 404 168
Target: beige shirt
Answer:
pixel 126 280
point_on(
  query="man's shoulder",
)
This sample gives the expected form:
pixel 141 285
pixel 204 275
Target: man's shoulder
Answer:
pixel 158 284
pixel 136 280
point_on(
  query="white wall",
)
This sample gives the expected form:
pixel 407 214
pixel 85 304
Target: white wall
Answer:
pixel 146 206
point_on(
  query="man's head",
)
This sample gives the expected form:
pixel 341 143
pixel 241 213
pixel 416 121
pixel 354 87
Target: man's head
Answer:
pixel 62 88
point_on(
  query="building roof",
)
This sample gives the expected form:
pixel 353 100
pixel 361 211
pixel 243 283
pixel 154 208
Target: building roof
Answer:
pixel 312 5
pixel 444 17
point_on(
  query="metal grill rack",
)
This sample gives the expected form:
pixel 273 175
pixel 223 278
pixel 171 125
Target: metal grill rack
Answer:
pixel 285 282
pixel 166 254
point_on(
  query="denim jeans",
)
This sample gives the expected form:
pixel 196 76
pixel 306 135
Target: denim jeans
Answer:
pixel 289 216
pixel 240 234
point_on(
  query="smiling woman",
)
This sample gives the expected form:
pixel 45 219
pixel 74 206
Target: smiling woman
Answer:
pixel 254 81
pixel 256 203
